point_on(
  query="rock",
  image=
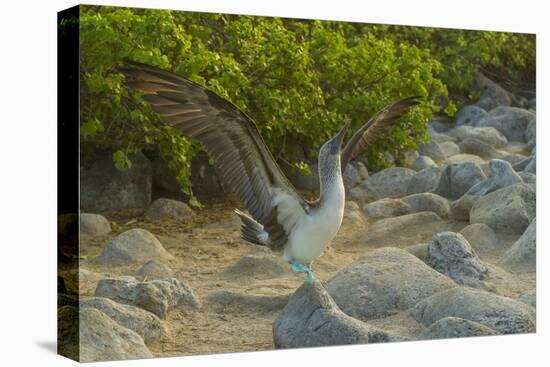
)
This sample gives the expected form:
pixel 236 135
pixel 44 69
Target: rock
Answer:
pixel 354 174
pixel 460 208
pixel 533 103
pixel 457 179
pixel 479 148
pixel 133 246
pixel 383 282
pixel 144 323
pixel 441 138
pixel 469 115
pixel 529 298
pixel 438 126
pixel 91 336
pixel 308 182
pixel 104 187
pixel 524 250
pixel 422 162
pixel 450 254
pixel 258 265
pixel 463 158
pixel 312 319
pixel 529 179
pixel 531 167
pixel 432 150
pixel 237 302
pixel 455 327
pixel 385 208
pixel 413 228
pixel 391 182
pixel 522 165
pixel 353 215
pixel 419 250
pixel 163 178
pixel 502 175
pixel 531 131
pixel 492 94
pixel 480 236
pixel 94 225
pixel 489 135
pixel 513 159
pixel 502 314
pixel 510 121
pixel 168 208
pixel 450 148
pixel 408 157
pixel 156 296
pixel 507 210
pixel 154 269
pixel 425 180
pixel 428 202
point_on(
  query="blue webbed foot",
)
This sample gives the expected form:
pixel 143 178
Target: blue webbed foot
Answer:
pixel 300 268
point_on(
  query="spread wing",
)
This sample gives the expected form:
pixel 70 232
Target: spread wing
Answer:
pixel 373 128
pixel 230 137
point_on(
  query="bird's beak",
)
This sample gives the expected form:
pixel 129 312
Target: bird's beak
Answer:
pixel 339 138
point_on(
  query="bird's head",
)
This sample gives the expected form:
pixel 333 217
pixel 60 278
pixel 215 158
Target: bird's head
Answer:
pixel 332 148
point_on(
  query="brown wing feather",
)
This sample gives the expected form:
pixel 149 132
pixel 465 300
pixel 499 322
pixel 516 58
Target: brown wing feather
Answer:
pixel 229 136
pixel 373 128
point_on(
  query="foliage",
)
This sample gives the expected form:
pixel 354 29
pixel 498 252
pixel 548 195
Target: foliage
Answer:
pixel 299 80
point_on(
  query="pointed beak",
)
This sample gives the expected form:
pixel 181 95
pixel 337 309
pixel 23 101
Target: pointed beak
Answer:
pixel 339 138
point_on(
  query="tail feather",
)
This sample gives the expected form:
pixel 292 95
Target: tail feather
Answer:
pixel 252 231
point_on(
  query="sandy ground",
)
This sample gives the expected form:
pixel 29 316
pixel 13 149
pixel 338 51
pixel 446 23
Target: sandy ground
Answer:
pixel 205 246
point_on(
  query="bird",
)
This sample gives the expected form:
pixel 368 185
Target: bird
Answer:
pixel 278 216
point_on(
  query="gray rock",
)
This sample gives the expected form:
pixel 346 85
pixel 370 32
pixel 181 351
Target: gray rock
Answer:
pixel 168 208
pixel 391 182
pixel 90 336
pixel 146 324
pixel 163 178
pixel 502 175
pixel 154 269
pixel 531 167
pixel 450 148
pixel 383 282
pixel 513 158
pixel 463 158
pixel 419 250
pixel 524 250
pixel 479 148
pixel 94 225
pixel 531 131
pixel 460 208
pixel 504 315
pixel 455 327
pixel 432 150
pixel 529 298
pixel 353 214
pixel 425 180
pixel 135 246
pixel 422 162
pixel 529 179
pixel 229 301
pixel 354 174
pixel 104 187
pixel 510 121
pixel 258 265
pixel 408 157
pixel 522 165
pixel 457 179
pixel 533 103
pixel 438 126
pixel 385 208
pixel 156 296
pixel 492 94
pixel 481 237
pixel 469 115
pixel 450 254
pixel 312 319
pixel 428 202
pixel 441 138
pixel 489 135
pixel 507 210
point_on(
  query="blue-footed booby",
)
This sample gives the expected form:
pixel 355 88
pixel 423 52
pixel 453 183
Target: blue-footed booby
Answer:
pixel 279 217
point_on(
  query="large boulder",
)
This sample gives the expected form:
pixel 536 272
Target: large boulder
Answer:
pixel 90 335
pixel 146 324
pixel 94 225
pixel 531 131
pixel 463 158
pixel 168 208
pixel 104 187
pixel 510 121
pixel 135 246
pixel 354 173
pixel 391 182
pixel 502 314
pixel 481 237
pixel 479 148
pixel 384 281
pixel 487 134
pixel 469 115
pixel 507 210
pixel 455 327
pixel 460 208
pixel 312 319
pixel 385 208
pixel 450 148
pixel 501 175
pixel 425 180
pixel 450 254
pixel 428 202
pixel 154 269
pixel 422 162
pixel 156 296
pixel 457 179
pixel 492 94
pixel 524 250
pixel 529 298
pixel 432 150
